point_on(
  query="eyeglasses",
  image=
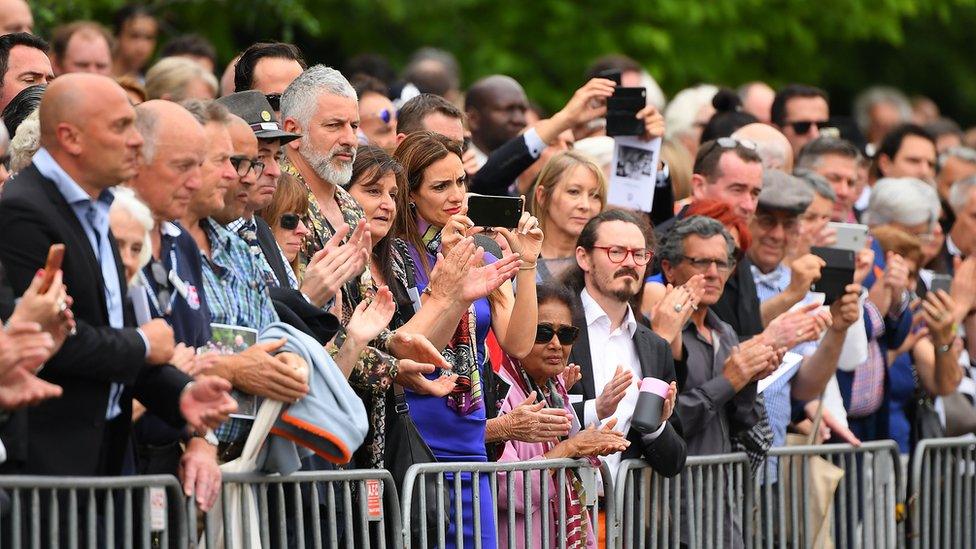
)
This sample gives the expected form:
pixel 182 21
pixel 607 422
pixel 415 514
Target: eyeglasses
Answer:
pixel 768 222
pixel 803 126
pixel 702 264
pixel 566 334
pixel 730 143
pixel 275 100
pixel 288 221
pixel 244 164
pixel 617 254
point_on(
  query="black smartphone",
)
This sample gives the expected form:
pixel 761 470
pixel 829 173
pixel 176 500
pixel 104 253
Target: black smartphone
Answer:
pixel 941 282
pixel 836 275
pixel 611 74
pixel 622 109
pixel 495 211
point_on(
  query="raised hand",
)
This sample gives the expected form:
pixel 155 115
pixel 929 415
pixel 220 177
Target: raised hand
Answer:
pixel 937 311
pixel 613 392
pixel 863 263
pixel 794 327
pixel 571 376
pixel 672 312
pixel 532 421
pixel 963 289
pixel 458 227
pixel 846 310
pixel 805 270
pixel 206 402
pixel 587 104
pixel 670 402
pixel 330 268
pixel 371 318
pixel 653 122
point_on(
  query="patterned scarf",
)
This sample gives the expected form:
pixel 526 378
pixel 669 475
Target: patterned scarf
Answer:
pixel 461 352
pixel 554 395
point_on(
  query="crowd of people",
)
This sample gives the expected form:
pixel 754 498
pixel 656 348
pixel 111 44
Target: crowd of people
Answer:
pixel 295 234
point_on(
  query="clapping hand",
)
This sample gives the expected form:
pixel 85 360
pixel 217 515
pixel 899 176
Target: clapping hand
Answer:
pixel 571 376
pixel 371 317
pixel 206 402
pixel 672 312
pixel 330 268
pixel 532 421
pixel 613 392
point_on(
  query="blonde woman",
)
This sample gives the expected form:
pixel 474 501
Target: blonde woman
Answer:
pixel 178 78
pixel 571 189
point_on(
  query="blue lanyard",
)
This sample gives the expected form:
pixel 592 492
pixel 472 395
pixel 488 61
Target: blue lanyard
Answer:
pixel 179 286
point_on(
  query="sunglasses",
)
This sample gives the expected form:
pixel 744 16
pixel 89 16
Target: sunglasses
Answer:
pixel 565 334
pixel 275 100
pixel 802 127
pixel 244 164
pixel 289 221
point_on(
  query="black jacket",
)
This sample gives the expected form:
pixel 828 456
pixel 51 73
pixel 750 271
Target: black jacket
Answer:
pixel 272 252
pixel 34 215
pixel 666 454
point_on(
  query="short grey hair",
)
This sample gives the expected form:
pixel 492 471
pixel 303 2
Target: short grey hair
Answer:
pixel 880 94
pixel 126 201
pixel 811 153
pixel 902 200
pixel 147 124
pixel 817 183
pixel 25 142
pixel 960 192
pixel 680 115
pixel 672 246
pixel 207 111
pixel 966 154
pixel 300 98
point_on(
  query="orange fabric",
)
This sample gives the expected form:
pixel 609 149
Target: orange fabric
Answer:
pixel 601 530
pixel 316 431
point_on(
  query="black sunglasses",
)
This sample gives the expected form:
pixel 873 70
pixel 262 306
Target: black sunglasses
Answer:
pixel 801 128
pixel 565 334
pixel 275 100
pixel 288 221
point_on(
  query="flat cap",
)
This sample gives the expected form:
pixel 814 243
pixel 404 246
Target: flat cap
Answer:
pixel 253 107
pixel 782 191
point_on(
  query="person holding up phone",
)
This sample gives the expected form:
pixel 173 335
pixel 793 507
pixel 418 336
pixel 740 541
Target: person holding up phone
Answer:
pixel 431 221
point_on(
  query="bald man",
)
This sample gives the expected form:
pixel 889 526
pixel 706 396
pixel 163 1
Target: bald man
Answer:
pixel 757 100
pixel 15 16
pixel 772 146
pixel 495 107
pixel 89 144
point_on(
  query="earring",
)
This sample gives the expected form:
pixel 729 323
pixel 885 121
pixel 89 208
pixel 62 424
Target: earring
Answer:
pixel 413 205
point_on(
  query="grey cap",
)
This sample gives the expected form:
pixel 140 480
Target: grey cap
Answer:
pixel 782 191
pixel 253 107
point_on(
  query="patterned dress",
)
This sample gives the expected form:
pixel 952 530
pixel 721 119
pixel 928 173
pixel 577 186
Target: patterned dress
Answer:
pixel 373 375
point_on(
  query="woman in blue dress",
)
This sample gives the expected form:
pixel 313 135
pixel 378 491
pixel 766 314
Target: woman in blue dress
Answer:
pixel 431 220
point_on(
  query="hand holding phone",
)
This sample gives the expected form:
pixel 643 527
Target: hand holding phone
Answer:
pixel 622 109
pixel 55 256
pixel 495 211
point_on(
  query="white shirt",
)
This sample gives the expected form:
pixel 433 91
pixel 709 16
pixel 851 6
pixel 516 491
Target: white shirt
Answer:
pixel 609 349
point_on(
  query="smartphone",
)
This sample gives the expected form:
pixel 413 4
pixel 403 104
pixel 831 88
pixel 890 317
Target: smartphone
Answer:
pixel 55 256
pixel 850 236
pixel 622 109
pixel 836 275
pixel 495 211
pixel 941 282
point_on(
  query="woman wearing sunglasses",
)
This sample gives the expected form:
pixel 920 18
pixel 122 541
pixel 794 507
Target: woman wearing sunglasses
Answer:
pixel 431 221
pixel 284 216
pixel 544 377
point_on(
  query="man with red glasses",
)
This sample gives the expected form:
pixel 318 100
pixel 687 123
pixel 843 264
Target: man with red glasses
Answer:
pixel 613 350
pixel 800 111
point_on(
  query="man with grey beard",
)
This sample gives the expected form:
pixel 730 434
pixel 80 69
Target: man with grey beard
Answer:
pixel 322 107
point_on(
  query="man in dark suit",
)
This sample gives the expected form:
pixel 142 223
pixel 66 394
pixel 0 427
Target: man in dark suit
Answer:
pixel 88 145
pixel 613 349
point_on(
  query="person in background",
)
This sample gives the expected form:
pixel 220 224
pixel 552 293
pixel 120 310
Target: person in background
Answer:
pixel 757 100
pixel 81 46
pixel 728 116
pixel 377 115
pixel 268 67
pixel 23 63
pixel 836 160
pixel 813 228
pixel 771 145
pixel 687 114
pixel 284 217
pixel 15 16
pixel 131 222
pixel 133 88
pixel 135 29
pixel 906 151
pixel 800 111
pixel 570 190
pixel 878 110
pixel 195 48
pixel 495 108
pixel 178 78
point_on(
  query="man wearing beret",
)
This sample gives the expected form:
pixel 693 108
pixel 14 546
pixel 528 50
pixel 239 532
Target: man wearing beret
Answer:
pixel 783 287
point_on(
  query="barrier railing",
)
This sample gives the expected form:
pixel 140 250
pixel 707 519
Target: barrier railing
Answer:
pixel 352 508
pixel 811 496
pixel 90 512
pixel 524 508
pixel 703 506
pixel 942 496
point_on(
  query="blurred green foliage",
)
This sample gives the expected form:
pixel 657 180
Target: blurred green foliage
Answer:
pixel 921 46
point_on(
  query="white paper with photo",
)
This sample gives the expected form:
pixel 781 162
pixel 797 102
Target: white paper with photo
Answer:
pixel 633 173
pixel 226 340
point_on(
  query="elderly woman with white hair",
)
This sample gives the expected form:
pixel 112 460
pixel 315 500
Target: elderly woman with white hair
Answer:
pixel 687 114
pixel 131 222
pixel 911 205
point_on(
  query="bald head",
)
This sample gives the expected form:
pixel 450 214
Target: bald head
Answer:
pixel 74 99
pixel 496 107
pixel 772 146
pixel 15 16
pixel 174 149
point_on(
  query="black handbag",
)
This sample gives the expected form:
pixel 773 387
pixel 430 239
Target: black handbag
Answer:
pixel 405 447
pixel 924 418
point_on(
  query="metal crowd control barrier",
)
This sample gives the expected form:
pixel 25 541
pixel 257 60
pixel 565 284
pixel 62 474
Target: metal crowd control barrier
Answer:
pixel 351 508
pixel 942 498
pixel 801 507
pixel 76 512
pixel 703 506
pixel 509 503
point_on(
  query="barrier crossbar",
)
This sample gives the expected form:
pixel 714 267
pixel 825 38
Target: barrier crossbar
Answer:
pixel 942 495
pixel 517 491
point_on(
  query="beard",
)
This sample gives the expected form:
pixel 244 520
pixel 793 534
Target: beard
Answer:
pixel 326 165
pixel 623 293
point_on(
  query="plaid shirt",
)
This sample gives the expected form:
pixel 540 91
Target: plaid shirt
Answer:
pixel 247 229
pixel 237 295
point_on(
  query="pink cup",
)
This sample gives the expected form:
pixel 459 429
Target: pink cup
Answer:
pixel 650 404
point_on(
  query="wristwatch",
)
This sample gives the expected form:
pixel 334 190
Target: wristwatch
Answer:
pixel 943 348
pixel 209 436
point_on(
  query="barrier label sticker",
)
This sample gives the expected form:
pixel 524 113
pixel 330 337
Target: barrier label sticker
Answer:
pixel 374 499
pixel 157 509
